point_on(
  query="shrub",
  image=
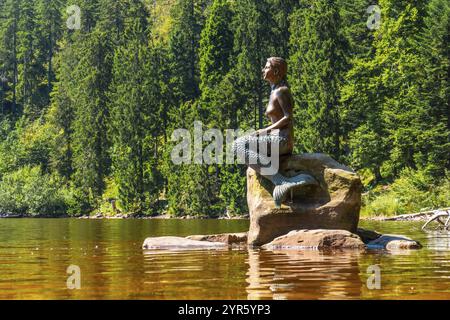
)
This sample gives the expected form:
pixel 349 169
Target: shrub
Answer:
pixel 413 191
pixel 30 192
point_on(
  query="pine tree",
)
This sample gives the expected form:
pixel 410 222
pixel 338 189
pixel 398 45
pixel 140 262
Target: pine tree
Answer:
pixel 90 144
pixel 280 10
pixel 30 68
pixel 435 88
pixel 220 103
pixel 61 112
pixel 394 107
pixel 8 52
pixel 216 46
pixel 396 62
pixel 184 42
pixel 254 43
pixel 135 102
pixel 50 30
pixel 317 66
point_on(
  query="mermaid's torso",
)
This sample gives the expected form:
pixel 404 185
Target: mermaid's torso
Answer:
pixel 275 113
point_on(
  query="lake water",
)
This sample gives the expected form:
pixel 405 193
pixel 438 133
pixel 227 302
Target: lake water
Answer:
pixel 35 255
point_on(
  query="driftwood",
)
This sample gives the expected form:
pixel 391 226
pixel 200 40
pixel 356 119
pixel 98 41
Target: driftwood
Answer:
pixel 438 214
pixel 412 216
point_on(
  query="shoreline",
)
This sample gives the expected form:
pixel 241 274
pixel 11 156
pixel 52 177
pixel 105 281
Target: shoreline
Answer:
pixel 420 216
pixel 118 217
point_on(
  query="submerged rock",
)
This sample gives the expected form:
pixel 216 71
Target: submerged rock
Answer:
pixel 178 243
pixel 334 204
pixel 227 238
pixel 393 242
pixel 317 239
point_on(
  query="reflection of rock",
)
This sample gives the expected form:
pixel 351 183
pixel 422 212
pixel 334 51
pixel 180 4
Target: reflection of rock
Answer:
pixel 228 238
pixel 393 242
pixel 303 274
pixel 335 204
pixel 317 239
pixel 367 235
pixel 176 243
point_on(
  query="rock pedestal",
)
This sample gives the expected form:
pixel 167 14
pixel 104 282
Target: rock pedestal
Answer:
pixel 334 204
pixel 322 217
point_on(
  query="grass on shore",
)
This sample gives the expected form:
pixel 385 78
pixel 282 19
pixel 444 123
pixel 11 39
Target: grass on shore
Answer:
pixel 412 192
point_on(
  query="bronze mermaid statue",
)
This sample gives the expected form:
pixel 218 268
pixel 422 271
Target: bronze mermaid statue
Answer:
pixel 280 132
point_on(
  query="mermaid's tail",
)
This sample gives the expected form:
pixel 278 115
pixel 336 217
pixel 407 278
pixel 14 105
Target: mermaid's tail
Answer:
pixel 286 184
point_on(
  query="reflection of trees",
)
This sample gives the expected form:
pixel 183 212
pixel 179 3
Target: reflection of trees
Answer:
pixel 307 274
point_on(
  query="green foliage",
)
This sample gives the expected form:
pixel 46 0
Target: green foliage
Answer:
pixel 318 62
pixel 413 191
pixel 90 143
pixel 31 192
pixel 233 190
pixel 134 108
pixel 89 113
pixel 111 195
pixel 215 46
pixel 368 150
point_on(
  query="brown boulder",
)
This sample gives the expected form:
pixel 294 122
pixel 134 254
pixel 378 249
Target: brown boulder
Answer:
pixel 334 204
pixel 394 242
pixel 316 239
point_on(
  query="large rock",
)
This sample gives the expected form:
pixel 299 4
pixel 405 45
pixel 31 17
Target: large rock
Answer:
pixel 335 204
pixel 177 243
pixel 227 238
pixel 316 239
pixel 394 242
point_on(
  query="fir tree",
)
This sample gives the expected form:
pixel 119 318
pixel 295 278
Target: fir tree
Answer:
pixel 317 65
pixel 91 161
pixel 9 20
pixel 135 102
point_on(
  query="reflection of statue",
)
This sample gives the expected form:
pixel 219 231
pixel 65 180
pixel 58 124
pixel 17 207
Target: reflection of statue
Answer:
pixel 280 113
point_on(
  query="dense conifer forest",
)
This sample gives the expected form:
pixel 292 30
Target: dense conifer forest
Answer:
pixel 92 90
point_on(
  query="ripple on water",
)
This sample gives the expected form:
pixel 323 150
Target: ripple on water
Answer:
pixel 113 265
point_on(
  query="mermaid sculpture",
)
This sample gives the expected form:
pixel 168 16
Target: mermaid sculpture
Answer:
pixel 280 132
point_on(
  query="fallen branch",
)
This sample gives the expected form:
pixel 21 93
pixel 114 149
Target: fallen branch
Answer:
pixel 413 215
pixel 438 215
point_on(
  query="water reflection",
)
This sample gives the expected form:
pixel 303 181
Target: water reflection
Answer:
pixel 308 274
pixel 34 256
pixel 194 274
pixel 438 240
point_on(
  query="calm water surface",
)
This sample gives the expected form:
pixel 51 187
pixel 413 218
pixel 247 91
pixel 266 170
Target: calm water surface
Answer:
pixel 35 254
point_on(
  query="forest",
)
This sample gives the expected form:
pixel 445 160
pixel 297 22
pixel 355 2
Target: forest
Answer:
pixel 92 90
